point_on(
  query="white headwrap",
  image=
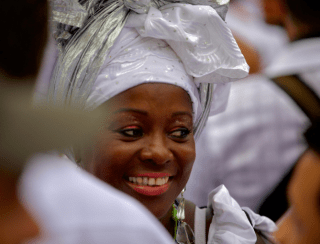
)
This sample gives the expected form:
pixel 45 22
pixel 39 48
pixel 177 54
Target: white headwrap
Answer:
pixel 178 42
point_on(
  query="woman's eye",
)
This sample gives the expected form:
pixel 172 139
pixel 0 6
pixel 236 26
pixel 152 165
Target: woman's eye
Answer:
pixel 132 132
pixel 180 133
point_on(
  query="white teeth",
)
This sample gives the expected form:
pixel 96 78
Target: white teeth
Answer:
pixel 152 182
pixel 149 181
pixel 159 182
pixel 139 180
pixel 145 181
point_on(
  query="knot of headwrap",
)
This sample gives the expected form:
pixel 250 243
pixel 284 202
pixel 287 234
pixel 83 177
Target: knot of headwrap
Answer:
pixel 194 30
pixel 198 36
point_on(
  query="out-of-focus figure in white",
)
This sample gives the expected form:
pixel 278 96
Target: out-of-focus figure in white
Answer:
pixel 251 145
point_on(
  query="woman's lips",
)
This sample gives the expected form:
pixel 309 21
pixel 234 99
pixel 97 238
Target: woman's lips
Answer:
pixel 149 190
pixel 149 183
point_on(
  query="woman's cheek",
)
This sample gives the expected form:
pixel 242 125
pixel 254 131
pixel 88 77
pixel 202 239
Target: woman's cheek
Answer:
pixel 189 158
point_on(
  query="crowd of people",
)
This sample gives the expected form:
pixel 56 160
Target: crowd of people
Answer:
pixel 129 121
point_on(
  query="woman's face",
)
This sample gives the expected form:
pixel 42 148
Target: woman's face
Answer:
pixel 301 224
pixel 147 147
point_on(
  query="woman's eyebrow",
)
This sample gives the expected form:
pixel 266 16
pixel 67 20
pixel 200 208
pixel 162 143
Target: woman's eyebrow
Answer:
pixel 130 110
pixel 182 113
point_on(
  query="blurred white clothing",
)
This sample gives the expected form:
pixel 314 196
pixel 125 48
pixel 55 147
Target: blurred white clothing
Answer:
pixel 230 223
pixel 258 138
pixel 245 19
pixel 72 206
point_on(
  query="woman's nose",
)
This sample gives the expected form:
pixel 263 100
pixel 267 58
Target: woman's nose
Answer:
pixel 156 150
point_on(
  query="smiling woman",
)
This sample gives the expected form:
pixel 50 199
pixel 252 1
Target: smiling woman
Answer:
pixel 147 147
pixel 159 68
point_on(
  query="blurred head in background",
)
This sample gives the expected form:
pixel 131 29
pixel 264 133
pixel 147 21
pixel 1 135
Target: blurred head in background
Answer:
pixel 299 17
pixel 23 38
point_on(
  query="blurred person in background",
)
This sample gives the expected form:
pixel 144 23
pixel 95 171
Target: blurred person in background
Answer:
pixel 299 61
pixel 236 148
pixel 264 126
pixel 301 222
pixel 47 199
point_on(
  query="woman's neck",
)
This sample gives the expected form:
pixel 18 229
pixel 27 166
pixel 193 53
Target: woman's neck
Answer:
pixel 168 222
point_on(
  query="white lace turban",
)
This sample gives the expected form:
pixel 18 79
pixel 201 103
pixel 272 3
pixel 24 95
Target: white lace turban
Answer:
pixel 177 43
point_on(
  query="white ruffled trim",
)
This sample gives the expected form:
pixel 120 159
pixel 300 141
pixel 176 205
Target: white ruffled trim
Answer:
pixel 229 223
pixel 261 223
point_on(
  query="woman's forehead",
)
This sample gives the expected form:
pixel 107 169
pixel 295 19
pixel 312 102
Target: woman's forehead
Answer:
pixel 152 96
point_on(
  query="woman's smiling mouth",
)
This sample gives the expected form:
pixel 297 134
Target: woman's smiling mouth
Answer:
pixel 143 181
pixel 151 184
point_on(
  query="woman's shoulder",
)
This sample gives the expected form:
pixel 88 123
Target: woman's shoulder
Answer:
pixel 190 209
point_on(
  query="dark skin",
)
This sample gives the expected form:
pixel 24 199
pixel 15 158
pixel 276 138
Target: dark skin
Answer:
pixel 250 53
pixel 16 224
pixel 301 223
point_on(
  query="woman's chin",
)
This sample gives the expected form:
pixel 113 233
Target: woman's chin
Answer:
pixel 160 213
pixel 158 206
pixel 155 199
